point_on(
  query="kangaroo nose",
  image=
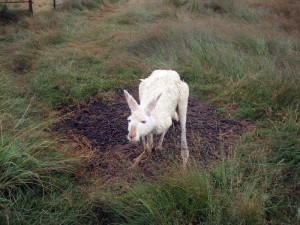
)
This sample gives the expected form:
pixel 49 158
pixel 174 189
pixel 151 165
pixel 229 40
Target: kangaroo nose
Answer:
pixel 131 135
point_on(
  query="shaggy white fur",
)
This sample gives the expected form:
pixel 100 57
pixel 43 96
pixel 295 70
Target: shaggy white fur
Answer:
pixel 163 97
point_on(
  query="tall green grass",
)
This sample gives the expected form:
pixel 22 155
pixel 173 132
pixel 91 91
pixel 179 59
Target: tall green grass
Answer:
pixel 247 68
pixel 259 73
pixel 247 188
pixel 230 193
pixel 38 178
pixel 37 182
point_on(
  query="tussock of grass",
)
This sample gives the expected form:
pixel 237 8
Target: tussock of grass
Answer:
pixel 134 16
pixel 86 4
pixel 78 76
pixel 264 46
pixel 235 8
pixel 38 180
pixel 55 208
pixel 23 165
pixel 285 146
pixel 82 4
pixel 257 72
pixel 207 61
pixel 58 89
pixel 143 13
pixel 35 181
pixel 223 195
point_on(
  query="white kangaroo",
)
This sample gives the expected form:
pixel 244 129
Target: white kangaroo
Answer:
pixel 161 94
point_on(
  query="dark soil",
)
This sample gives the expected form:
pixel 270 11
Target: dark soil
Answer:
pixel 103 124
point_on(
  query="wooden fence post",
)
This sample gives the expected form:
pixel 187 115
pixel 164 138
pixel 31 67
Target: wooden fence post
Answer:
pixel 54 4
pixel 30 6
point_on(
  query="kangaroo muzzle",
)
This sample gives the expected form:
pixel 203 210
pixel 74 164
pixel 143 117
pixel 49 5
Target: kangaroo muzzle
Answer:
pixel 132 135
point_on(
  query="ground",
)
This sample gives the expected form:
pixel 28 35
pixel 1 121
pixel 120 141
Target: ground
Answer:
pixel 102 126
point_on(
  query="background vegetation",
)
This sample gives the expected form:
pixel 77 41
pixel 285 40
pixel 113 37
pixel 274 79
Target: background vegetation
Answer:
pixel 242 56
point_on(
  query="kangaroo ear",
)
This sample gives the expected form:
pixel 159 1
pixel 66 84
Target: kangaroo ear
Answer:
pixel 152 104
pixel 133 105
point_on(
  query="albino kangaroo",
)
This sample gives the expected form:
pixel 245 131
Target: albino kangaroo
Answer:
pixel 160 95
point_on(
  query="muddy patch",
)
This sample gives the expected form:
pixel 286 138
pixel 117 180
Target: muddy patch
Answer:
pixel 103 125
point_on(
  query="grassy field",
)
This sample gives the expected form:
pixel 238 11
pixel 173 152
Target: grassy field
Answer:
pixel 241 56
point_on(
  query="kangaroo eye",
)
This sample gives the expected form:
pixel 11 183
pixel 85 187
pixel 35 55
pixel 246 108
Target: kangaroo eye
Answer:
pixel 129 121
pixel 143 121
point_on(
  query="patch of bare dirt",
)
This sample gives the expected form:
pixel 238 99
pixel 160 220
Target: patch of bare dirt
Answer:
pixel 104 125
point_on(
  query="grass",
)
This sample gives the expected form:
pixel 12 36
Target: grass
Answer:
pixel 82 4
pixel 37 180
pixel 88 54
pixel 207 62
pixel 234 8
pixel 241 190
pixel 38 176
pixel 197 196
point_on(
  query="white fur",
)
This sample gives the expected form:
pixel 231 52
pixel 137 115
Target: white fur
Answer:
pixel 160 95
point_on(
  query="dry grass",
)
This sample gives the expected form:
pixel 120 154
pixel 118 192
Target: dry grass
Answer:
pixel 249 207
pixel 285 13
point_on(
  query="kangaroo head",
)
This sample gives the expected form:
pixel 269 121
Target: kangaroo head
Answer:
pixel 140 122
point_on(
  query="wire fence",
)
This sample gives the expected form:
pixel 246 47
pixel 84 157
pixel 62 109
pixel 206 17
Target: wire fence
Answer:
pixel 29 2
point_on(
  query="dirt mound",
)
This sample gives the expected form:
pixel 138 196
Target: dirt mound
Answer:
pixel 104 125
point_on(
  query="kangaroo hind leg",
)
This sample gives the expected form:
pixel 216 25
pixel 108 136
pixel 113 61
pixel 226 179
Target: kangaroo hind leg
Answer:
pixel 182 111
